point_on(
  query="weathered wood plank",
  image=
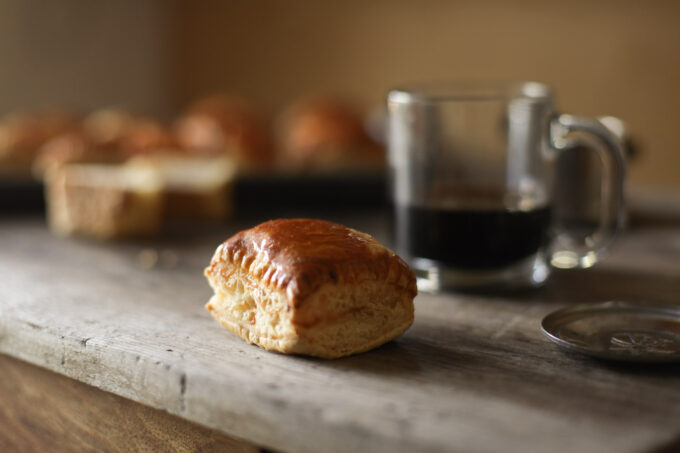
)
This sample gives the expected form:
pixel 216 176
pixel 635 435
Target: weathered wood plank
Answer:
pixel 43 411
pixel 472 374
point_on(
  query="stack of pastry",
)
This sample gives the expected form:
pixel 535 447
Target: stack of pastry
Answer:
pixel 109 155
pixel 118 174
pixel 316 133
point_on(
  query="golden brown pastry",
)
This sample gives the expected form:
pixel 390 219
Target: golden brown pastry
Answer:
pixel 104 201
pixel 223 124
pixel 304 286
pixel 326 134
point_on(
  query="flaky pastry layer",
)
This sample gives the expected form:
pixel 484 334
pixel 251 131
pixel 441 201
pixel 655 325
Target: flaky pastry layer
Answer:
pixel 311 287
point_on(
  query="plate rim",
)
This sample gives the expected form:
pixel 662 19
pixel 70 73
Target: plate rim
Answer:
pixel 669 309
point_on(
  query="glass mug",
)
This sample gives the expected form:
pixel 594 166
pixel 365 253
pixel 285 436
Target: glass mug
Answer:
pixel 471 170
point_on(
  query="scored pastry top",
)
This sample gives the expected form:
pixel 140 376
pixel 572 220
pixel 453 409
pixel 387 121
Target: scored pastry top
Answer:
pixel 300 255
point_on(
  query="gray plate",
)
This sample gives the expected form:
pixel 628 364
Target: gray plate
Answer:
pixel 618 331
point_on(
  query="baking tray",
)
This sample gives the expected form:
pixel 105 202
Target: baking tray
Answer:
pixel 251 193
pixel 311 191
pixel 19 196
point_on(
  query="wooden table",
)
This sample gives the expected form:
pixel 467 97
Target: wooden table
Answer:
pixel 473 374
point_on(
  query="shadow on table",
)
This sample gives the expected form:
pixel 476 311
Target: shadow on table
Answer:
pixel 672 446
pixel 569 287
pixel 444 350
pixel 407 356
pixel 657 370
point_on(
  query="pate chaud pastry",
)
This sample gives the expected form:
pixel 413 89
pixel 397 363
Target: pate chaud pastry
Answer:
pixel 312 287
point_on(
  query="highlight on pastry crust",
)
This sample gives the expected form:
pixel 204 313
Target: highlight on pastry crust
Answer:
pixel 312 287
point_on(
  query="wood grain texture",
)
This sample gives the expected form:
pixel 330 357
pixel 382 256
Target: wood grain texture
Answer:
pixel 43 411
pixel 473 374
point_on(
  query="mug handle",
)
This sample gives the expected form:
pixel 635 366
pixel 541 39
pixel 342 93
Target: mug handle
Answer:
pixel 564 251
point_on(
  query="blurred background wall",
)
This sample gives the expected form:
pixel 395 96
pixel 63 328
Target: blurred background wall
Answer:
pixel 83 55
pixel 609 57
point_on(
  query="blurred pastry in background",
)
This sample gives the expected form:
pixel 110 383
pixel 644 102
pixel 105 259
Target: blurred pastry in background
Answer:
pixel 104 201
pixel 196 188
pixel 326 134
pixel 138 197
pixel 104 136
pixel 127 133
pixel 120 175
pixel 227 125
pixel 22 135
pixel 107 126
pixel 147 136
pixel 70 147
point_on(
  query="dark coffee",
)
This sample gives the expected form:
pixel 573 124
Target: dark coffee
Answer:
pixel 471 239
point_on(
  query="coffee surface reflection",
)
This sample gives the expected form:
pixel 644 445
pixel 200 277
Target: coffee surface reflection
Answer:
pixel 467 238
